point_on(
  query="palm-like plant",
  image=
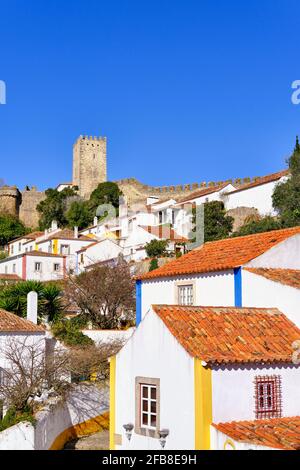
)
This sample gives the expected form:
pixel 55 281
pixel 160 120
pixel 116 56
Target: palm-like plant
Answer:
pixel 14 299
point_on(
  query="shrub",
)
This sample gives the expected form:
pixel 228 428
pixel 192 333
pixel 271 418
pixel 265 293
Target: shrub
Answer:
pixel 156 248
pixel 153 264
pixel 69 334
pixel 13 417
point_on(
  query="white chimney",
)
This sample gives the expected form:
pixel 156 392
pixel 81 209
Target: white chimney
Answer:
pixel 53 225
pixel 95 220
pixel 75 232
pixel 32 306
pixel 152 200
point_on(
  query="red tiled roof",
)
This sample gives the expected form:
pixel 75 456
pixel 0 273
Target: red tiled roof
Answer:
pixel 230 334
pixel 289 277
pixel 203 192
pixel 8 277
pixel 163 231
pixel 43 254
pixel 29 236
pixel 223 254
pixel 262 180
pixel 66 235
pixel 11 322
pixel 278 433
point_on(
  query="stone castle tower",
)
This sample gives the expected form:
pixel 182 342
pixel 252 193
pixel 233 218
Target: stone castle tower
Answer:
pixel 89 164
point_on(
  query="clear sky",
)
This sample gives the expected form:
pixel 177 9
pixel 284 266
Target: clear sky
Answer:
pixel 184 90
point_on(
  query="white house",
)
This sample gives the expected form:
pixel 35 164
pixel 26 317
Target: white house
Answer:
pixel 103 250
pixel 266 287
pixel 257 194
pixel 16 332
pixel 190 377
pixel 215 273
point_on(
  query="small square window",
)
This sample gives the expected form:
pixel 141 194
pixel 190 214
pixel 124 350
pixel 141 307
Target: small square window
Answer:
pixel 268 396
pixel 38 267
pixel 186 295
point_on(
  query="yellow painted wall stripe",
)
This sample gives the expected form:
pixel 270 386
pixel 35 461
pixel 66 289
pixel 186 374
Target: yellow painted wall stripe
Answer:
pixel 99 423
pixel 203 405
pixel 112 402
pixel 55 247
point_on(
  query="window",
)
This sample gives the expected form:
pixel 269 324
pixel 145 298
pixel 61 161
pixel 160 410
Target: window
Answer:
pixel 14 268
pixel 268 396
pixel 38 267
pixel 20 246
pixel 64 249
pixel 147 406
pixel 12 249
pixel 160 217
pixel 56 267
pixel 6 269
pixel 185 295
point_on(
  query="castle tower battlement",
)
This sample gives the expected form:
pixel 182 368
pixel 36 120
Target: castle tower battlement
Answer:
pixel 10 199
pixel 89 164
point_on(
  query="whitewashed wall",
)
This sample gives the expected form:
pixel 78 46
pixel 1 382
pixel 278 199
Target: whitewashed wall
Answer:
pixel 47 273
pixel 84 403
pixel 259 197
pixel 8 263
pixel 162 357
pixel 219 441
pixel 212 289
pixel 7 341
pixel 18 437
pixel 257 291
pixel 107 336
pixel 283 255
pixel 234 390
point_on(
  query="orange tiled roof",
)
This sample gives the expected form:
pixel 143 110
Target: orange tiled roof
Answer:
pixel 163 231
pixel 29 236
pixel 289 277
pixel 262 180
pixel 11 322
pixel 223 254
pixel 43 254
pixel 203 192
pixel 231 334
pixel 8 277
pixel 278 433
pixel 65 234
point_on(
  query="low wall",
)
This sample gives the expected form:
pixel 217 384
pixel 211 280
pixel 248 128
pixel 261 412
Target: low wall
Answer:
pixel 85 412
pixel 106 336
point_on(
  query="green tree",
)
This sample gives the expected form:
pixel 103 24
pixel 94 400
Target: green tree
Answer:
pixel 254 225
pixel 10 228
pixel 286 196
pixel 55 206
pixel 153 264
pixel 78 215
pixel 13 298
pixel 105 193
pixel 156 248
pixel 217 224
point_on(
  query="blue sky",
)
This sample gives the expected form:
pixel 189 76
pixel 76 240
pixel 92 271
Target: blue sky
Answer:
pixel 184 90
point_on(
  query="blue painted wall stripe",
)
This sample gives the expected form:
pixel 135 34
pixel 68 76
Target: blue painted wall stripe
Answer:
pixel 238 287
pixel 138 302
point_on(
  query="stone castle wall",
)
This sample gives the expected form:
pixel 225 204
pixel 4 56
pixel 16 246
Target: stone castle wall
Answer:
pixel 27 212
pixel 10 199
pixel 89 164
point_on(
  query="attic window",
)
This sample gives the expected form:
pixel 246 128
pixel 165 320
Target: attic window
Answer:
pixel 268 396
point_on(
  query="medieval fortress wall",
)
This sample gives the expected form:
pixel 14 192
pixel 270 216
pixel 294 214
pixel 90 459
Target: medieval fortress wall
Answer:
pixel 90 169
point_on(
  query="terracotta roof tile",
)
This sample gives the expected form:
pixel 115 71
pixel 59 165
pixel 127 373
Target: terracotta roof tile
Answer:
pixel 65 234
pixel 262 180
pixel 11 322
pixel 223 254
pixel 230 334
pixel 203 192
pixel 43 254
pixel 289 277
pixel 8 277
pixel 278 433
pixel 29 236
